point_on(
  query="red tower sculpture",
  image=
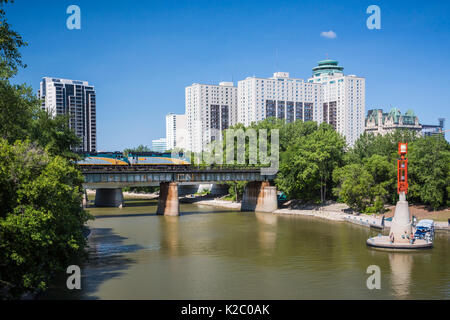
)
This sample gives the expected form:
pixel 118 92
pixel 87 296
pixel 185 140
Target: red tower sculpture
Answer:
pixel 402 168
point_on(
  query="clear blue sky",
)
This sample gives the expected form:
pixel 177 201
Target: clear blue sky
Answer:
pixel 140 55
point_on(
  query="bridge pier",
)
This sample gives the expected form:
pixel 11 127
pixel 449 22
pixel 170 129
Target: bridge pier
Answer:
pixel 168 203
pixel 259 196
pixel 109 198
pixel 85 199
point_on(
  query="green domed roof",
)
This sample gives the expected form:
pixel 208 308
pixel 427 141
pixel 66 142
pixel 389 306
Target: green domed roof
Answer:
pixel 328 61
pixel 327 66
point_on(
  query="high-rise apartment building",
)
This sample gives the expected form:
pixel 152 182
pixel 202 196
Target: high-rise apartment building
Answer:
pixel 176 131
pixel 280 96
pixel 343 99
pixel 209 110
pixel 77 99
pixel 159 145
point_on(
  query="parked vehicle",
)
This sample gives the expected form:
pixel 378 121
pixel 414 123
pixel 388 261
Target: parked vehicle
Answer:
pixel 425 230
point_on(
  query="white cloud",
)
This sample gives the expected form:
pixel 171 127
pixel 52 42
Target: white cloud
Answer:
pixel 329 34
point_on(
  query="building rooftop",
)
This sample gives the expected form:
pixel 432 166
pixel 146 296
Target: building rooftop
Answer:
pixel 328 67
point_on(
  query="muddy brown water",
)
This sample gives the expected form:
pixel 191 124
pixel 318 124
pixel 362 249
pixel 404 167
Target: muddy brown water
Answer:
pixel 211 253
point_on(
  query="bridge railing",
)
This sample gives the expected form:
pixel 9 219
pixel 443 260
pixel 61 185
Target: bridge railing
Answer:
pixel 167 168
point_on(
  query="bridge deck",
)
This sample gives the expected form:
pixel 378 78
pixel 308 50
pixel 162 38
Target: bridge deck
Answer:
pixel 126 176
pixel 164 168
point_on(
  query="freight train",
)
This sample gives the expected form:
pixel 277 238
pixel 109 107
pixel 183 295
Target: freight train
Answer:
pixel 132 159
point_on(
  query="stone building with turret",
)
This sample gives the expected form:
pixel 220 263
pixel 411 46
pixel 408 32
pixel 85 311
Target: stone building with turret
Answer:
pixel 378 122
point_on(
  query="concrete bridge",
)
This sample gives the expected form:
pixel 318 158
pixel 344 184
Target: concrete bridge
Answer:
pixel 108 182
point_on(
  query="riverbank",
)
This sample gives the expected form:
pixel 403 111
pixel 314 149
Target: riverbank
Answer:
pixel 336 212
pixel 339 212
pixel 128 195
pixel 330 211
pixel 213 202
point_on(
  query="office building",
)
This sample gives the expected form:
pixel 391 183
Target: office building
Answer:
pixel 176 131
pixel 429 129
pixel 74 98
pixel 210 109
pixel 343 99
pixel 281 97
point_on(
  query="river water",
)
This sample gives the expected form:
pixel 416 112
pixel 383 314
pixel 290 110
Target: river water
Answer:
pixel 210 253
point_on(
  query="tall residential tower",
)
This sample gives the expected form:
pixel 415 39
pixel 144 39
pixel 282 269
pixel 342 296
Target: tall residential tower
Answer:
pixel 176 131
pixel 280 96
pixel 209 110
pixel 343 99
pixel 77 99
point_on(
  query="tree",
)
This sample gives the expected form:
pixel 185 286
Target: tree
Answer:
pixel 429 170
pixel 140 148
pixel 11 41
pixel 54 134
pixel 18 107
pixel 369 144
pixel 41 217
pixel 366 186
pixel 307 165
pixel 384 174
pixel 236 189
pixel 354 186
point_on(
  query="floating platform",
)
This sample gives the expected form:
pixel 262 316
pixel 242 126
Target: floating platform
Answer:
pixel 385 243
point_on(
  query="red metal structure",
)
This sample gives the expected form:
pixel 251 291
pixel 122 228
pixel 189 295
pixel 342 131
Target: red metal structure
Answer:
pixel 402 168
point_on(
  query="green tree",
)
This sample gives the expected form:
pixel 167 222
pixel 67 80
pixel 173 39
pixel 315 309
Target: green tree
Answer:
pixel 307 165
pixel 384 174
pixel 236 189
pixel 18 107
pixel 366 186
pixel 11 41
pixel 140 148
pixel 54 134
pixel 368 144
pixel 41 217
pixel 354 184
pixel 429 171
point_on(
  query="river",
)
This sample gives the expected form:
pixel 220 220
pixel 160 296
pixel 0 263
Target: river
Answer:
pixel 210 253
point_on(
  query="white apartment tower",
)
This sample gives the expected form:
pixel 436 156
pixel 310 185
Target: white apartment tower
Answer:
pixel 209 110
pixel 176 131
pixel 343 99
pixel 282 97
pixel 77 99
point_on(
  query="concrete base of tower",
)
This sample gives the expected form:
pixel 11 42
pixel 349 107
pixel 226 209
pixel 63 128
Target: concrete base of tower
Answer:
pixel 384 243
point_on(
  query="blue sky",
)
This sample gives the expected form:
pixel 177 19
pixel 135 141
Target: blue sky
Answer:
pixel 141 55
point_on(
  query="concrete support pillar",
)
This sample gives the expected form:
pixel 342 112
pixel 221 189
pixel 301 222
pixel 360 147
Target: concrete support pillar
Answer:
pixel 168 204
pixel 109 198
pixel 259 197
pixel 401 223
pixel 85 199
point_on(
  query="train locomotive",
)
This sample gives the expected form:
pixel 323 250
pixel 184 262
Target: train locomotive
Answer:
pixel 132 159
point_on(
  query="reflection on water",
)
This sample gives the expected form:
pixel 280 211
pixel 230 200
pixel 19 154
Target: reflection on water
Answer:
pixel 401 267
pixel 222 254
pixel 267 232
